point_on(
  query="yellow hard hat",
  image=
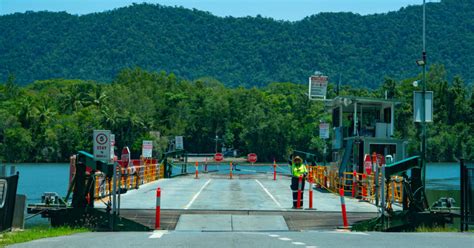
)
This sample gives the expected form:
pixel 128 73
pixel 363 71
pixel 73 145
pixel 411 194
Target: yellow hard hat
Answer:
pixel 297 158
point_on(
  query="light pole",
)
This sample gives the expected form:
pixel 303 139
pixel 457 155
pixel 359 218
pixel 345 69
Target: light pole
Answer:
pixel 422 63
pixel 423 105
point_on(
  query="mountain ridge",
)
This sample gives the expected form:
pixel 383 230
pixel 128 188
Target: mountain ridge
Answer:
pixel 247 51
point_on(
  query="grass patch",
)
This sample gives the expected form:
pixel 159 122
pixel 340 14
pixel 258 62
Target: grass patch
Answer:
pixel 436 229
pixel 37 232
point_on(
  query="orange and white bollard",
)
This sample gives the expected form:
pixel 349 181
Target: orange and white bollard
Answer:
pixel 274 171
pixel 158 209
pixel 364 187
pixel 230 172
pixel 326 182
pixel 310 190
pixel 343 208
pixel 300 185
pixel 319 182
pixel 197 170
pixel 354 183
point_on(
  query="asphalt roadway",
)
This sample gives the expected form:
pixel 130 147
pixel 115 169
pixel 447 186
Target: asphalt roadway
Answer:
pixel 307 239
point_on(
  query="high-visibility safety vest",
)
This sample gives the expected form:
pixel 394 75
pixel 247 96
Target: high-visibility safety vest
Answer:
pixel 297 171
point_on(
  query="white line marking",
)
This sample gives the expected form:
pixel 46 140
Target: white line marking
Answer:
pixel 311 246
pixel 268 193
pixel 284 239
pixel 274 235
pixel 197 194
pixel 157 234
pixel 298 243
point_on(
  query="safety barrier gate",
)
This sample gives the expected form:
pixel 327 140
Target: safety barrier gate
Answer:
pixel 357 185
pixel 130 178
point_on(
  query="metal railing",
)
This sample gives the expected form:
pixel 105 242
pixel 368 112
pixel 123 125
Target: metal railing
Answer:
pixel 358 185
pixel 129 178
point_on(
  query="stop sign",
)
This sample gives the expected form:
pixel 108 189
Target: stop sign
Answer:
pixel 252 157
pixel 368 164
pixel 125 157
pixel 218 157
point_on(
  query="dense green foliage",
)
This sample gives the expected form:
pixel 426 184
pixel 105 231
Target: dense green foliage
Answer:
pixel 51 119
pixel 250 51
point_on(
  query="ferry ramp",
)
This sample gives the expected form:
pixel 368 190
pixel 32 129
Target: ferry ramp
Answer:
pixel 190 203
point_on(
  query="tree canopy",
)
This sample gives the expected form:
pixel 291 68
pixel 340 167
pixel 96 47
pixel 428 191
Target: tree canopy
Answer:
pixel 48 120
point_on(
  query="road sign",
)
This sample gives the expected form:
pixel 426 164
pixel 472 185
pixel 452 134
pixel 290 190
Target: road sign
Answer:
pixel 417 108
pixel 179 143
pixel 112 147
pixel 317 87
pixel 218 157
pixel 101 140
pixel 368 164
pixel 252 157
pixel 147 148
pixel 324 130
pixel 125 157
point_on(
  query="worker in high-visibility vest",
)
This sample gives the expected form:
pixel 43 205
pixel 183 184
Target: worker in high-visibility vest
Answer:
pixel 297 169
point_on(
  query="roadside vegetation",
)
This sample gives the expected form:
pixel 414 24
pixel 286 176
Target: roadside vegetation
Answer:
pixel 37 232
pixel 48 120
pixel 437 229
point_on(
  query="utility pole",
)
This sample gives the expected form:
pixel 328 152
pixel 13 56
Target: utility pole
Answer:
pixel 422 63
pixel 423 104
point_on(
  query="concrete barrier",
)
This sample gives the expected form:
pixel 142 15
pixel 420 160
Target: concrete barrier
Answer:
pixel 19 212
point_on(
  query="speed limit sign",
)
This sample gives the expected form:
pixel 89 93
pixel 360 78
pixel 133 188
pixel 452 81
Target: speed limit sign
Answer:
pixel 101 139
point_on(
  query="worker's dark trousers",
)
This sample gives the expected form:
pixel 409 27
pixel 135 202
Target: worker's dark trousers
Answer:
pixel 294 189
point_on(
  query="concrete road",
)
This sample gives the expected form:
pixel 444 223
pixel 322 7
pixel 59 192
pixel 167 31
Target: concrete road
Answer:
pixel 218 193
pixel 309 239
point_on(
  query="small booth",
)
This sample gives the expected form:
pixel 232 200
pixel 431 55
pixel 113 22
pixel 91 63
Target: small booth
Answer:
pixel 362 126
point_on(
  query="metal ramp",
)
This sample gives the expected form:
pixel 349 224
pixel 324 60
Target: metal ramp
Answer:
pixel 228 223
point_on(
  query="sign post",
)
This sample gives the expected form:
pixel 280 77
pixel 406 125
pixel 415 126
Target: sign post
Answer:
pixel 218 157
pixel 324 130
pixel 147 148
pixel 112 148
pixel 318 84
pixel 179 144
pixel 418 106
pixel 102 145
pixel 252 158
pixel 125 157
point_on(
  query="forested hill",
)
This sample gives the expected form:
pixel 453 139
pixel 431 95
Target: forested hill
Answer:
pixel 236 51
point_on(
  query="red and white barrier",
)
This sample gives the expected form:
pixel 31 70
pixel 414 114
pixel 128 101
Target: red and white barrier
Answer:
pixel 310 188
pixel 343 208
pixel 364 187
pixel 274 171
pixel 158 208
pixel 197 170
pixel 354 183
pixel 300 185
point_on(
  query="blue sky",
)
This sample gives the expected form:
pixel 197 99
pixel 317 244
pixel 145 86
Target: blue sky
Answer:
pixel 278 9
